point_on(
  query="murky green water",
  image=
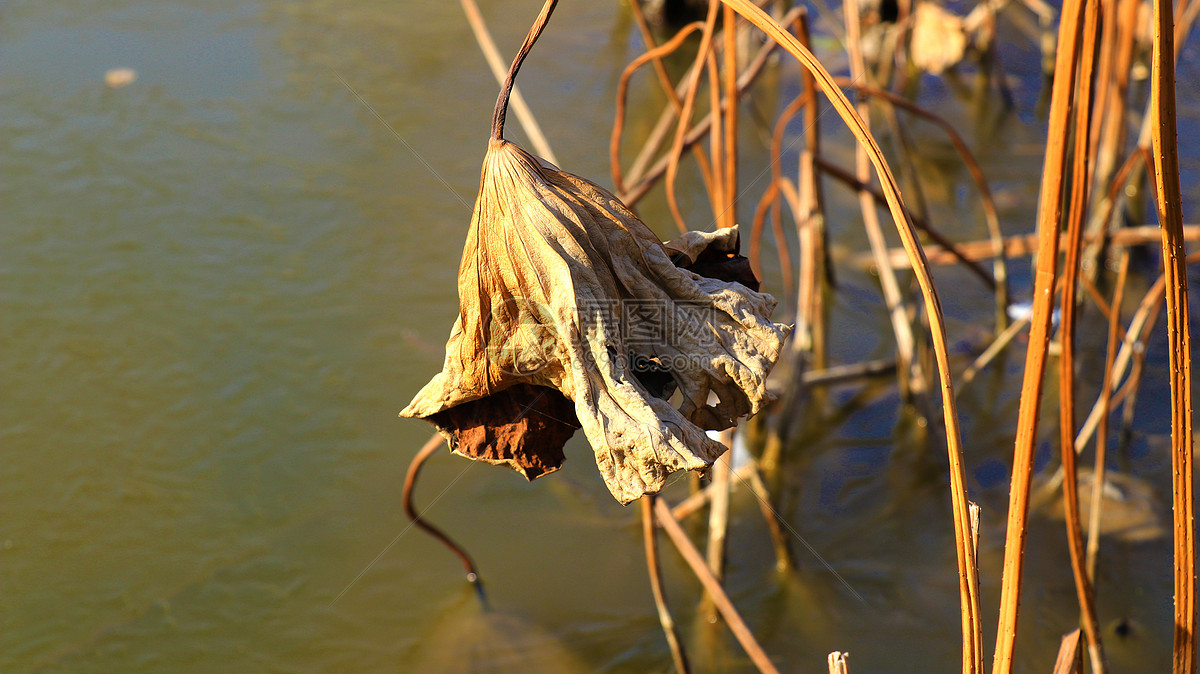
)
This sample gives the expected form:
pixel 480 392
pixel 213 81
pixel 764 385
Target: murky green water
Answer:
pixel 219 285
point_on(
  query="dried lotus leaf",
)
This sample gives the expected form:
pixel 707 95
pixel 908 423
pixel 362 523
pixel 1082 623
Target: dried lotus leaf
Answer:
pixel 554 274
pixel 939 40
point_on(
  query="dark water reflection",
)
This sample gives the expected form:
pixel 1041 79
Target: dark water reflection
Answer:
pixel 219 284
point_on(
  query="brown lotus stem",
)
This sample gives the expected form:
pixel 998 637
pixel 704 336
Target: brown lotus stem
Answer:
pixel 410 480
pixel 770 199
pixel 685 117
pixel 718 520
pixel 716 197
pixel 660 71
pixel 1114 327
pixel 535 32
pixel 732 618
pixel 816 272
pixel 655 54
pixel 641 179
pixel 783 555
pixel 650 537
pixel 492 55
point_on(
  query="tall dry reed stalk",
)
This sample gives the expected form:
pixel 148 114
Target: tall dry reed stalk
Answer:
pixel 1170 215
pixel 1077 204
pixel 1049 218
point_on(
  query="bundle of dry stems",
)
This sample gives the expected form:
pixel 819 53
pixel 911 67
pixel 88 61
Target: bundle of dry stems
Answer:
pixel 526 366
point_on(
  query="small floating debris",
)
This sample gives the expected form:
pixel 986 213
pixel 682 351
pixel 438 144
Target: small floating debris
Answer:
pixel 1020 311
pixel 118 78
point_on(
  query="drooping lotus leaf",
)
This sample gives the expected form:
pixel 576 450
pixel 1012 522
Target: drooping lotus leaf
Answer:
pixel 568 302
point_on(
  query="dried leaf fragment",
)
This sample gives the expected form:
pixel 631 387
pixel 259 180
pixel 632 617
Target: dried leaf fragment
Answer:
pixel 523 427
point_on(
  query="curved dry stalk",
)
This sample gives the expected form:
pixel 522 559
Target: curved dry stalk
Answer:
pixel 1113 116
pixel 643 179
pixel 775 152
pixel 770 199
pixel 1170 215
pixel 410 481
pixel 535 31
pixel 662 127
pixel 528 122
pixel 1106 387
pixel 1106 101
pixel 991 217
pixel 732 618
pixel 685 116
pixel 650 539
pixel 783 556
pixel 968 580
pixel 639 17
pixel 1049 216
pixel 1066 370
pixel 788 190
pixel 765 203
pixel 664 121
pixel 899 258
pixel 655 55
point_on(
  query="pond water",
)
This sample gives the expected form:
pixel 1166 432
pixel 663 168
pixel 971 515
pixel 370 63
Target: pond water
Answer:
pixel 219 284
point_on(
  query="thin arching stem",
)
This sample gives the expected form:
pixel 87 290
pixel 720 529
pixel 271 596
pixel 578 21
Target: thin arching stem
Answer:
pixel 535 32
pixel 410 481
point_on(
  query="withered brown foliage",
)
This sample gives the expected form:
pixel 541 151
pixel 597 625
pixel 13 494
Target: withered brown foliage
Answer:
pixel 553 268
